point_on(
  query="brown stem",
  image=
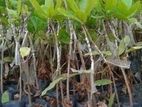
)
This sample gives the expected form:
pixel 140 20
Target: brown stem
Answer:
pixel 20 81
pixel 29 95
pixel 92 64
pixel 34 63
pixel 128 87
pixel 69 57
pixel 1 75
pixel 58 71
pixel 114 84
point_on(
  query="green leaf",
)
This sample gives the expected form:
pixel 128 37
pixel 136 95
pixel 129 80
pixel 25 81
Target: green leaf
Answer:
pixel 73 5
pixel 128 3
pixel 138 44
pixel 12 13
pixel 64 36
pixel 49 3
pixel 123 45
pixel 12 4
pixel 81 13
pixel 90 6
pixel 68 14
pixel 56 81
pixel 5 97
pixel 38 9
pixel 83 4
pixel 110 5
pixel 134 8
pixel 36 24
pixel 50 8
pixel 2 3
pixel 58 4
pixel 52 85
pixel 106 53
pixel 122 10
pixel 8 59
pixel 24 51
pixel 111 100
pixel 121 48
pixel 81 16
pixel 127 40
pixel 19 7
pixel 86 6
pixel 103 82
pixel 134 48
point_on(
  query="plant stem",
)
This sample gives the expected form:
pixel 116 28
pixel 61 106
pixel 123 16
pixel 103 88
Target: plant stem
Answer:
pixel 72 34
pixel 92 64
pixel 83 76
pixel 29 96
pixel 114 84
pixel 20 81
pixel 58 71
pixel 1 75
pixel 96 47
pixel 128 87
pixel 34 62
pixel 69 56
pixel 20 66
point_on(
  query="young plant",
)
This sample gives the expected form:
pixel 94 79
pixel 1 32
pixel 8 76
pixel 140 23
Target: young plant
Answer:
pixel 121 9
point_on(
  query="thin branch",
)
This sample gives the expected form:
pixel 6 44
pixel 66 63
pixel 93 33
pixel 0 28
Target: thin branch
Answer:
pixel 93 87
pixel 128 87
pixel 1 73
pixel 114 84
pixel 69 56
pixel 58 71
